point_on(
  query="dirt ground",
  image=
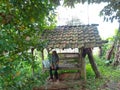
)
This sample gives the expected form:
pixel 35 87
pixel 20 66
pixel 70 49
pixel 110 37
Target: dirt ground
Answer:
pixel 75 84
pixel 62 85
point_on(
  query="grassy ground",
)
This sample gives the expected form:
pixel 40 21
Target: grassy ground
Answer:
pixel 109 74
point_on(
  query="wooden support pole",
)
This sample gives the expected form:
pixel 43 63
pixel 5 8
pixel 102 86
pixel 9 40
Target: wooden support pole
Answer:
pixel 33 62
pixel 92 62
pixel 48 51
pixel 100 52
pixel 42 55
pixel 82 65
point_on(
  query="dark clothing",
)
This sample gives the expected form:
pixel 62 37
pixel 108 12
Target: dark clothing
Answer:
pixel 54 60
pixel 55 73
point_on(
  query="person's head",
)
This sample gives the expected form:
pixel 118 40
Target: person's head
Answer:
pixel 54 52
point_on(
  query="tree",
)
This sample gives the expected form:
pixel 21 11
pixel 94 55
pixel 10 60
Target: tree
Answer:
pixel 111 12
pixel 71 3
pixel 21 25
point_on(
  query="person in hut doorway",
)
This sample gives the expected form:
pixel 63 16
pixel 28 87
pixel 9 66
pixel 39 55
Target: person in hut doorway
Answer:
pixel 54 61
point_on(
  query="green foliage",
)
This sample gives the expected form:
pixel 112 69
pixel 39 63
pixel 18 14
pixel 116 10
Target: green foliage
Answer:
pixel 111 41
pixel 111 11
pixel 16 73
pixel 89 71
pixel 21 25
pixel 117 34
pixel 71 3
pixel 109 73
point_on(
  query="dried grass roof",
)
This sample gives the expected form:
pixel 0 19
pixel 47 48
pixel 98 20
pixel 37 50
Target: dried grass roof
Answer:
pixel 86 36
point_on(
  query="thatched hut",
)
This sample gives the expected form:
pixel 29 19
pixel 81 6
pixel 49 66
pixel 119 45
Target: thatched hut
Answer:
pixel 83 37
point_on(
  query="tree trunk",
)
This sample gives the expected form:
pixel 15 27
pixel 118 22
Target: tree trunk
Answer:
pixel 117 55
pixel 109 53
pixel 42 55
pixel 93 64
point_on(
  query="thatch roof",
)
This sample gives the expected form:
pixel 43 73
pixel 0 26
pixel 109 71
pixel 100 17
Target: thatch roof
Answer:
pixel 86 36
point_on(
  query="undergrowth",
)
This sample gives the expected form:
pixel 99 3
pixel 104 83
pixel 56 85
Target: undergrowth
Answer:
pixel 108 73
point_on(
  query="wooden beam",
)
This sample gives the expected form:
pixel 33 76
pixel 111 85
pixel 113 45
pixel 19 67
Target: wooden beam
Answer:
pixel 65 68
pixel 92 62
pixel 82 65
pixel 64 56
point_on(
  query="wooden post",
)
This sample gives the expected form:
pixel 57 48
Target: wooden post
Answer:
pixel 100 52
pixel 92 62
pixel 32 50
pixel 42 55
pixel 117 55
pixel 48 51
pixel 82 65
